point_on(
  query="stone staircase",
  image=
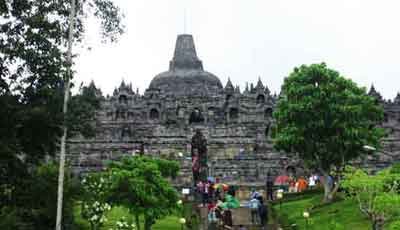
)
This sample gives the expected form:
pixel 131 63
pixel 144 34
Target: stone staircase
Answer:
pixel 240 216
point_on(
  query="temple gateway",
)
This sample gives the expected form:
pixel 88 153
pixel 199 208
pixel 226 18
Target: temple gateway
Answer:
pixel 186 101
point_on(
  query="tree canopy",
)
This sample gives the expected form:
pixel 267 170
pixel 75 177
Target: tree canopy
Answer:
pixel 33 64
pixel 140 184
pixel 33 37
pixel 325 118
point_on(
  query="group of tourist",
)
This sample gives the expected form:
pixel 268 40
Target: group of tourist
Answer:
pixel 297 184
pixel 292 184
pixel 219 199
pixel 210 191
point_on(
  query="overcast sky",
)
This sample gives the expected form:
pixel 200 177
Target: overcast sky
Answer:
pixel 245 39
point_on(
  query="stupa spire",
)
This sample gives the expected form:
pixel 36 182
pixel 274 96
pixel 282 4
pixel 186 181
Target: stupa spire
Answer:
pixel 259 85
pixel 229 85
pixel 185 56
pixel 374 93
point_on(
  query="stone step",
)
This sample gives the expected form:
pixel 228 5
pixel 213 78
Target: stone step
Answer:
pixel 240 217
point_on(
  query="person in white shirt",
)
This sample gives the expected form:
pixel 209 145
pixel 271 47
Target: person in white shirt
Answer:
pixel 254 205
pixel 311 181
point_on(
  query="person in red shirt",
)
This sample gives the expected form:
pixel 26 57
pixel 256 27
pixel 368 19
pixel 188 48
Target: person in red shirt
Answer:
pixel 292 185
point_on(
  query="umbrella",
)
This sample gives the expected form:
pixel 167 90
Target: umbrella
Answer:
pixel 281 180
pixel 224 187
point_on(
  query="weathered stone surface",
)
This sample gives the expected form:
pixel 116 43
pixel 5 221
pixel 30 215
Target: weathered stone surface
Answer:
pixel 186 76
pixel 184 99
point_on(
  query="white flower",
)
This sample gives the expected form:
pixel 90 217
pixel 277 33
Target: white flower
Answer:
pixel 94 218
pixel 182 220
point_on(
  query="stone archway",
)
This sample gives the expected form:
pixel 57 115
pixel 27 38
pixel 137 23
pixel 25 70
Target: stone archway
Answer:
pixel 233 114
pixel 268 113
pixel 199 157
pixel 196 116
pixel 123 99
pixel 154 114
pixel 260 99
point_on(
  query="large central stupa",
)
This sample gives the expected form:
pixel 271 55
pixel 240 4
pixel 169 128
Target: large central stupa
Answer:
pixel 186 76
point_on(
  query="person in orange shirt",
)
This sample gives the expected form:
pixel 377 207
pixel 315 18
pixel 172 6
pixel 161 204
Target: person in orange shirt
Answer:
pixel 302 185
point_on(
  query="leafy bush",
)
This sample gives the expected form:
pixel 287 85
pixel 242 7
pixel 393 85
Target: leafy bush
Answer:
pixel 35 204
pixel 376 195
pixel 395 225
pixel 8 218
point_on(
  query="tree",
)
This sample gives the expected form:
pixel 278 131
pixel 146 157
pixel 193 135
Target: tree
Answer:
pixel 44 181
pixel 34 206
pixel 82 111
pixel 140 184
pixel 35 69
pixel 376 195
pixel 33 46
pixel 326 119
pixel 18 184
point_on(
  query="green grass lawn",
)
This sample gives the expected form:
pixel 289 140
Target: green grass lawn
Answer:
pixel 342 214
pixel 168 223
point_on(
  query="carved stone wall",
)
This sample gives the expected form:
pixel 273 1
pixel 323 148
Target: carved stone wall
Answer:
pixel 161 122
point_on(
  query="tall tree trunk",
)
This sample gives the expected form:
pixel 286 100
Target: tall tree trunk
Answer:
pixel 327 188
pixel 330 190
pixel 377 225
pixel 148 222
pixel 326 192
pixel 137 220
pixel 65 110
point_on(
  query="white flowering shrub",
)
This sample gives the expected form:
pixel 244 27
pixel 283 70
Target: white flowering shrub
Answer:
pixel 94 205
pixel 123 224
pixel 96 185
pixel 95 213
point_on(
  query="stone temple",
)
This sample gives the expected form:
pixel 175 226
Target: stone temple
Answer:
pixel 186 98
